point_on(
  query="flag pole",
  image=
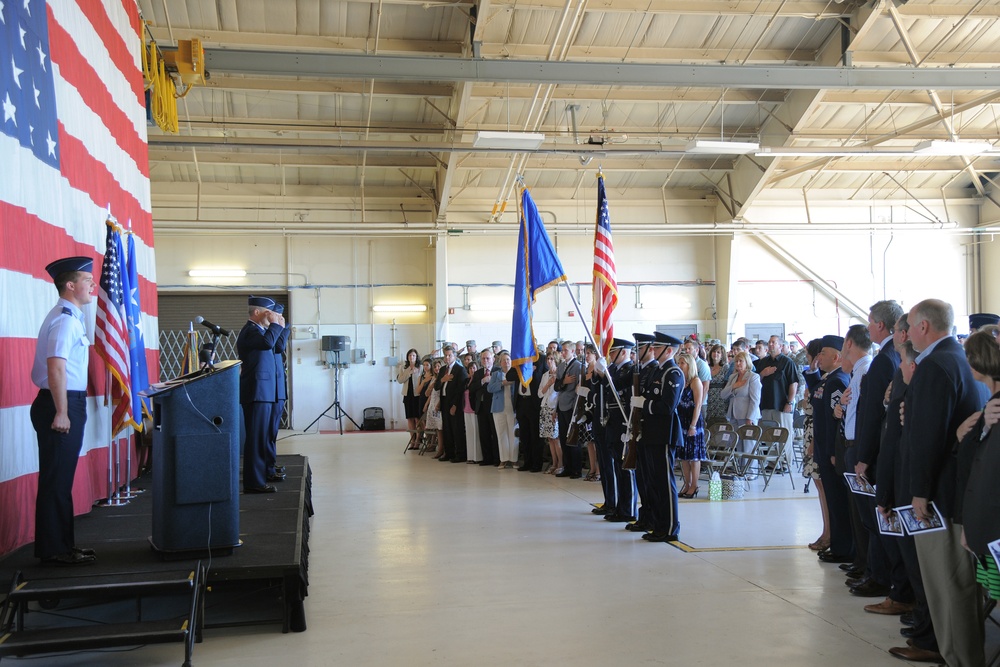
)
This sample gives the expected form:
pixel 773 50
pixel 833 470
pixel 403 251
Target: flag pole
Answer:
pixel 590 336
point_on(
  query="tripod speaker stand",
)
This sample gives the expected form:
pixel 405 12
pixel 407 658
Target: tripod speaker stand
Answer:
pixel 335 344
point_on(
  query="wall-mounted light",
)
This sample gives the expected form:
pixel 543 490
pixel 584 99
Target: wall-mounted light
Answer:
pixel 217 273
pixel 512 141
pixel 400 308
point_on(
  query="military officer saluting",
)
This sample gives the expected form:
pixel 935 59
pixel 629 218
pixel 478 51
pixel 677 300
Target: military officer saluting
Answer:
pixel 660 393
pixel 59 411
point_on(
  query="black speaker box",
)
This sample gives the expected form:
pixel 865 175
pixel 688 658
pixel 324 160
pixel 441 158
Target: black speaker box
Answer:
pixel 336 343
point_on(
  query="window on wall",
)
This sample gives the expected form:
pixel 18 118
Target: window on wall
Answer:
pixel 764 331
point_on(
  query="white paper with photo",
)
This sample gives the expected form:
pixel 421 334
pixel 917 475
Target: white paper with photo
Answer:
pixel 859 485
pixel 914 526
pixel 994 548
pixel 891 525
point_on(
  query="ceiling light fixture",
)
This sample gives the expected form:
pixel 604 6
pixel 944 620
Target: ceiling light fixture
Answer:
pixel 217 273
pixel 511 141
pixel 400 308
pixel 952 148
pixel 711 147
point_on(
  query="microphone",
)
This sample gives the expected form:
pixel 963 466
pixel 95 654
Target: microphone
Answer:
pixel 214 328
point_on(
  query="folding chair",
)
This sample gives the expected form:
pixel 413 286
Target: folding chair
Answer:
pixel 749 437
pixel 721 453
pixel 770 453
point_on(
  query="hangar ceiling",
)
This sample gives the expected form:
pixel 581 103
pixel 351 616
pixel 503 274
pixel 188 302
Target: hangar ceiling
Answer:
pixel 360 117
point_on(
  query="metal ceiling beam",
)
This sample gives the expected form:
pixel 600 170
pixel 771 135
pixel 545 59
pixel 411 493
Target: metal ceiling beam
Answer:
pixel 650 53
pixel 323 87
pixel 430 68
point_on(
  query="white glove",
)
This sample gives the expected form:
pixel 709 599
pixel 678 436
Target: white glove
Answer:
pixel 602 366
pixel 582 391
pixel 638 402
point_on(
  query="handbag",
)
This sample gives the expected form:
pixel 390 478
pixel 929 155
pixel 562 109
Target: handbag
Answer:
pixel 715 487
pixel 734 487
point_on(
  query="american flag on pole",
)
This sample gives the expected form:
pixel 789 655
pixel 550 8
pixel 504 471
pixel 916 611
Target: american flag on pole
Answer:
pixel 112 340
pixel 605 277
pixel 73 141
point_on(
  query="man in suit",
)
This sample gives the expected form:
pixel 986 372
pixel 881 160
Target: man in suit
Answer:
pixel 276 473
pixel 940 397
pixel 258 388
pixel 451 383
pixel 482 402
pixel 884 570
pixel 617 377
pixel 660 393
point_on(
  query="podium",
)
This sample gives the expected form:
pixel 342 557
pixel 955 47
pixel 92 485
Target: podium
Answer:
pixel 196 457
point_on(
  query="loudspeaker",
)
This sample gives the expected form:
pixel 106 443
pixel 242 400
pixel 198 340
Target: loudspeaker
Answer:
pixel 336 343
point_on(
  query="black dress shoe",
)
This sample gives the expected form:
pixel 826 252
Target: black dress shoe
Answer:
pixel 638 527
pixel 660 537
pixel 535 470
pixel 487 463
pixel 828 557
pixel 267 488
pixel 909 631
pixel 575 475
pixel 855 573
pixel 522 468
pixel 458 460
pixel 619 518
pixel 605 510
pixel 854 582
pixel 281 469
pixel 845 566
pixel 908 619
pixel 444 459
pixel 870 589
pixel 276 477
pixel 562 474
pixel 85 552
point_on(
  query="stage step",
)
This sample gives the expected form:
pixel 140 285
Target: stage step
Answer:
pixel 16 640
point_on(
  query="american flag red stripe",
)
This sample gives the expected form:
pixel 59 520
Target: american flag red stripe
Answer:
pixel 605 276
pixel 86 150
pixel 111 338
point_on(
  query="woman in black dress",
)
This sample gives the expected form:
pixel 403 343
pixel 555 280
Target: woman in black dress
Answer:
pixel 408 375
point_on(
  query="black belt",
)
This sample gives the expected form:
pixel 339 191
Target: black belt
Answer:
pixel 848 443
pixel 69 393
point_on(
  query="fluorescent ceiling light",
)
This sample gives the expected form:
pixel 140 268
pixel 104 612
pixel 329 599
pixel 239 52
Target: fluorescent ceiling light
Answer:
pixel 512 141
pixel 400 308
pixel 711 147
pixel 952 148
pixel 217 273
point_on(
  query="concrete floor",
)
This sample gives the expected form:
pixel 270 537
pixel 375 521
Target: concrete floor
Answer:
pixel 415 562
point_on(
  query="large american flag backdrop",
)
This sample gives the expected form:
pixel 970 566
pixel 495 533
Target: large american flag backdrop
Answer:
pixel 73 144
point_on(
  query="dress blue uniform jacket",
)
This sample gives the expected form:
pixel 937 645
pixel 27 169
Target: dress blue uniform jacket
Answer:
pixel 662 387
pixel 258 375
pixel 824 397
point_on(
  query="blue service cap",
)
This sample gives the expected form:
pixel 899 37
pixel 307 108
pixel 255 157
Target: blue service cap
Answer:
pixel 642 338
pixel 278 308
pixel 618 343
pixel 68 264
pixel 977 320
pixel 836 342
pixel 261 302
pixel 660 338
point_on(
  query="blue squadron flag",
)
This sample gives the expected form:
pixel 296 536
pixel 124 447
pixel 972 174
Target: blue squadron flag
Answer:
pixel 538 268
